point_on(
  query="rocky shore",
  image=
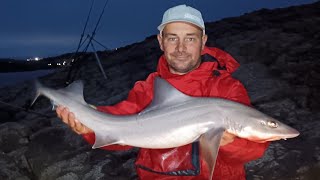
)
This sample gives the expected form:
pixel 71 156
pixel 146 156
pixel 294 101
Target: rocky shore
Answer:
pixel 279 53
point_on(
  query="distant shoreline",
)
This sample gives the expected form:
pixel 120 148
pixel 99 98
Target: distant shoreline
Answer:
pixel 65 60
pixel 7 66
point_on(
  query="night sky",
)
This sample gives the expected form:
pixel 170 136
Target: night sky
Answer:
pixel 47 28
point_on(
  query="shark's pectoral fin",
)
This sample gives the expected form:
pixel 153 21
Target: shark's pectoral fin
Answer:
pixel 209 147
pixel 104 140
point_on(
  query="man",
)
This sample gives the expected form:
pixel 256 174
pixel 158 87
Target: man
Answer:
pixel 196 70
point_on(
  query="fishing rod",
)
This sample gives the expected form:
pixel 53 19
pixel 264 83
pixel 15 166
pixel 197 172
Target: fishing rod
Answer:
pixel 69 78
pixel 98 61
pixel 95 28
pixel 99 43
pixel 85 26
pixel 80 42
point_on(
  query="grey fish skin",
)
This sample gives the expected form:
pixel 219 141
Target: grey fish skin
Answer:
pixel 172 119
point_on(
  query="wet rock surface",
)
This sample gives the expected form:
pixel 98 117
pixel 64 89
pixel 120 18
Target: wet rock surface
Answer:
pixel 279 53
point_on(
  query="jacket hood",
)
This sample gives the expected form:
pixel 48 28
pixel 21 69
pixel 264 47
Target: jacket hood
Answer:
pixel 213 60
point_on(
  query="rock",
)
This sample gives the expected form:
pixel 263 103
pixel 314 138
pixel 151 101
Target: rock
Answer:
pixel 47 142
pixel 10 170
pixel 260 84
pixel 6 116
pixel 13 136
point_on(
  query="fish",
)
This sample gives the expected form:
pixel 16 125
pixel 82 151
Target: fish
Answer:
pixel 172 119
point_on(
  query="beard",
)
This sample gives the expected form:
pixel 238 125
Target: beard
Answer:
pixel 182 63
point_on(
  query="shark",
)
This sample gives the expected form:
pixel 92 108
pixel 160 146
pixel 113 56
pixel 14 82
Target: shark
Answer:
pixel 171 120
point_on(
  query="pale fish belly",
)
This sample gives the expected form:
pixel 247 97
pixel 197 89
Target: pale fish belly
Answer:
pixel 164 139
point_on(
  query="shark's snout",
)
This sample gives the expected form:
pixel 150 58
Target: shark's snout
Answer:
pixel 293 133
pixel 289 133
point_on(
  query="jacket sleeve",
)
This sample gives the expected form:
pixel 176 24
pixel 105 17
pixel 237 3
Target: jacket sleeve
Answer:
pixel 241 150
pixel 138 98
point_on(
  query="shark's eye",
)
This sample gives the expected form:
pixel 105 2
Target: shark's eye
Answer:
pixel 263 123
pixel 272 124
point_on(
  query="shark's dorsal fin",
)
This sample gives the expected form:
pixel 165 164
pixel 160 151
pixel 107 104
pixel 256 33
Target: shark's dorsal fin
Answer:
pixel 75 89
pixel 164 95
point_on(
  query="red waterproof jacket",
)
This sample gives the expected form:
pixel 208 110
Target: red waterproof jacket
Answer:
pixel 211 79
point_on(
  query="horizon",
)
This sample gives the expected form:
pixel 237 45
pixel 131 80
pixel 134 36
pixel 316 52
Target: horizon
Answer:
pixel 25 34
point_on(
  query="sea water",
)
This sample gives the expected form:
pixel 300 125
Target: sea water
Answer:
pixel 12 78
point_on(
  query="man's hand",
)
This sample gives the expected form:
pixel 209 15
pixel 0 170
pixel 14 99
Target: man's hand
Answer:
pixel 69 118
pixel 227 138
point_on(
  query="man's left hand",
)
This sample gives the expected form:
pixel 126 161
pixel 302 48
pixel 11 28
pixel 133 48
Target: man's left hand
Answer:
pixel 227 138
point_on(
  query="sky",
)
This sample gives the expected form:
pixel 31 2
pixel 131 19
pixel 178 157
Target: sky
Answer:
pixel 46 28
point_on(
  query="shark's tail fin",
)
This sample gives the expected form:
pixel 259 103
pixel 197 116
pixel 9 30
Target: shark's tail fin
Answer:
pixel 38 87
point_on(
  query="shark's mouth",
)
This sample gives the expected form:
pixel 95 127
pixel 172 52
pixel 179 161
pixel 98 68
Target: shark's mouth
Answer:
pixel 273 138
pixel 263 140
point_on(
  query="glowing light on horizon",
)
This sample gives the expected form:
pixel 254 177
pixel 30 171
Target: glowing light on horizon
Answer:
pixel 34 59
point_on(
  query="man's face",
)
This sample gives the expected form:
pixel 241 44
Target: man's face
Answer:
pixel 182 44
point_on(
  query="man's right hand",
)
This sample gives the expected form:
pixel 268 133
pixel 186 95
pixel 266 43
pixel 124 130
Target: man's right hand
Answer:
pixel 69 118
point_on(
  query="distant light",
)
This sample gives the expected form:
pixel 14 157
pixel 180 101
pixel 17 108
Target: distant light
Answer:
pixel 34 59
pixel 49 64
